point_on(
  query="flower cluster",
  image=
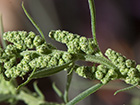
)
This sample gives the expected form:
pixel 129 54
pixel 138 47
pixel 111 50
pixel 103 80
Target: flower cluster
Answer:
pixel 74 42
pixel 32 60
pixel 13 70
pixel 127 68
pixel 56 58
pixel 27 40
pixel 15 58
pixel 100 72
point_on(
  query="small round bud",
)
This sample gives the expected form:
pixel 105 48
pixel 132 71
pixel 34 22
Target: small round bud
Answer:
pixel 130 63
pixel 38 41
pixel 99 75
pixel 132 72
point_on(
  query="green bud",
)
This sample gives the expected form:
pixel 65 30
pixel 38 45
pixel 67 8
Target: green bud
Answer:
pixel 43 49
pixel 112 74
pixel 130 63
pixel 105 80
pixel 124 71
pixel 132 72
pixel 99 75
pixel 38 41
pixel 138 67
pixel 80 71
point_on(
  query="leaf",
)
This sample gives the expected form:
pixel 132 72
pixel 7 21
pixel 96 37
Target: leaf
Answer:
pixel 27 81
pixel 32 21
pixel 4 97
pixel 58 92
pixel 69 78
pixel 38 91
pixel 84 94
pixel 125 89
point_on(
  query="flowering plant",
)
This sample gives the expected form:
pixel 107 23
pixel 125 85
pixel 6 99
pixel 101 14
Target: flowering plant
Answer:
pixel 30 53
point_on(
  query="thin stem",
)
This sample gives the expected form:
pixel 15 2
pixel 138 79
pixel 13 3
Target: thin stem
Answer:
pixel 92 13
pixel 2 31
pixel 69 78
pixel 84 94
pixel 32 21
pixel 125 89
pixel 38 91
pixel 93 23
pixel 57 91
pixel 28 79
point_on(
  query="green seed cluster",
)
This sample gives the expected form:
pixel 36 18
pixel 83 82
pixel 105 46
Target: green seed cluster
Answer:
pixel 26 46
pixel 27 40
pixel 127 68
pixel 100 72
pixel 33 60
pixel 74 42
pixel 13 70
pixel 56 58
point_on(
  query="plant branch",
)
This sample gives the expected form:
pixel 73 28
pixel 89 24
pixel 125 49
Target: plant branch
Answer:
pixel 69 78
pixel 84 94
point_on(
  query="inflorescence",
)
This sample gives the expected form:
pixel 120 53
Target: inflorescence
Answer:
pixel 30 51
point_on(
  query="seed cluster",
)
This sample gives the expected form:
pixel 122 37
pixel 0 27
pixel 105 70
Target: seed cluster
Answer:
pixel 100 72
pixel 14 62
pixel 32 60
pixel 27 40
pixel 127 68
pixel 74 42
pixel 56 58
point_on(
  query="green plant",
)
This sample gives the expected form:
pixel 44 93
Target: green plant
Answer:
pixel 30 53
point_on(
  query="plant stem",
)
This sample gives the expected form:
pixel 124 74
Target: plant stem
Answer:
pixel 69 78
pixel 84 94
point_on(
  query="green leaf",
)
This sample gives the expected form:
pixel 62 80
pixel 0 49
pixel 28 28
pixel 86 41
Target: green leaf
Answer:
pixel 100 60
pixel 93 23
pixel 125 89
pixel 84 94
pixel 69 78
pixel 58 92
pixel 92 14
pixel 32 21
pixel 38 91
pixel 27 81
pixel 4 97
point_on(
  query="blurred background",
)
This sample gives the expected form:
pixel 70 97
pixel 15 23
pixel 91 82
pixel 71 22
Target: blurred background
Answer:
pixel 117 27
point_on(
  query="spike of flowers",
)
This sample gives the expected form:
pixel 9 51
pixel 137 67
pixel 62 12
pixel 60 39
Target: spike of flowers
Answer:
pixel 74 42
